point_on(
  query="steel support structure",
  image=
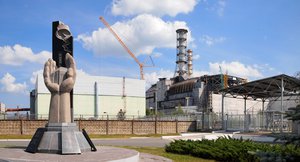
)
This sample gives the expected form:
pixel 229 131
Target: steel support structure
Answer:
pixel 281 105
pixel 223 121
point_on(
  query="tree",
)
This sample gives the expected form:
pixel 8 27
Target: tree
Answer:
pixel 149 112
pixel 293 114
pixel 179 110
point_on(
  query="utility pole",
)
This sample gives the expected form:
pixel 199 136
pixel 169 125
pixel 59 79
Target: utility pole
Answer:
pixel 155 101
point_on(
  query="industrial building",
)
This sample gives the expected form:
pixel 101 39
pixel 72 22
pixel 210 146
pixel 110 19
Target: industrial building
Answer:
pixel 199 94
pixel 193 94
pixel 95 97
pixel 257 104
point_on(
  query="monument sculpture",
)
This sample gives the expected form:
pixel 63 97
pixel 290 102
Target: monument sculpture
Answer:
pixel 60 135
pixel 60 82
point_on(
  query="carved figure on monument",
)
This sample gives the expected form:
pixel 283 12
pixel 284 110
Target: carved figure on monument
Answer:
pixel 61 134
pixel 60 82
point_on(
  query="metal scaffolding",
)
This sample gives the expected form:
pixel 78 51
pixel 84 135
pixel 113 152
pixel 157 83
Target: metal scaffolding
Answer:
pixel 276 86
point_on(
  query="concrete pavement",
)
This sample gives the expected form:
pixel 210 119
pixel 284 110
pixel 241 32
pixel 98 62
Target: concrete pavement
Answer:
pixel 216 135
pixel 104 154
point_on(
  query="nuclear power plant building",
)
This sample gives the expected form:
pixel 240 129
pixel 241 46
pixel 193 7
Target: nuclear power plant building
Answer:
pixel 193 94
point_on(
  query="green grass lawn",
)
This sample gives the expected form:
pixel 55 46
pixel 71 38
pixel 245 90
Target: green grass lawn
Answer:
pixel 15 136
pixel 161 152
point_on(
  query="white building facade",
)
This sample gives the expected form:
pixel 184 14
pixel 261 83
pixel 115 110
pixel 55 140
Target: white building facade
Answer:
pixel 2 107
pixel 236 106
pixel 96 96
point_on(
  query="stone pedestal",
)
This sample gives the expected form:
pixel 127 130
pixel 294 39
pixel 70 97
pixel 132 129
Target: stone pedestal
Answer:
pixel 61 138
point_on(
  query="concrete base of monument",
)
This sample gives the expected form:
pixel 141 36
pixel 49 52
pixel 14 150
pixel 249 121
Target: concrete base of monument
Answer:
pixel 110 154
pixel 60 138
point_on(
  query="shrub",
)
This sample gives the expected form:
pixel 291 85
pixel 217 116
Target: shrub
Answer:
pixel 228 149
pixel 181 147
pixel 290 149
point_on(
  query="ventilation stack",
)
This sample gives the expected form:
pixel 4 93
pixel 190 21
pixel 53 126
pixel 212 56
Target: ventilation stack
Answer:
pixel 181 61
pixel 190 62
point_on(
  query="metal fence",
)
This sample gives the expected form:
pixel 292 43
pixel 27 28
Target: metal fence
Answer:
pixel 255 121
pixel 236 122
pixel 27 116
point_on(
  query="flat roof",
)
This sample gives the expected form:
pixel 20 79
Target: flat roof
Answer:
pixel 266 88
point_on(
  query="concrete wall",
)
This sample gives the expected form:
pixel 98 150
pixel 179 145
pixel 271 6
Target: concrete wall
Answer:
pixel 28 127
pixel 162 86
pixel 42 103
pixel 110 97
pixel 288 102
pixel 84 105
pixel 2 107
pixel 235 105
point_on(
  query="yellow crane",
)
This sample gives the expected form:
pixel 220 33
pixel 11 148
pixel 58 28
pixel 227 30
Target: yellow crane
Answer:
pixel 141 65
pixel 224 78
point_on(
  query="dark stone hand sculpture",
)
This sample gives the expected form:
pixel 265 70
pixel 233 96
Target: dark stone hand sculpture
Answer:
pixel 60 81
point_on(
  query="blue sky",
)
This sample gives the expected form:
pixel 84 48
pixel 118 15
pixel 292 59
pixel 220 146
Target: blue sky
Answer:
pixel 251 39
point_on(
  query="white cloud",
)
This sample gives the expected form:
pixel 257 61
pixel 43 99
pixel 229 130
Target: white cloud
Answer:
pixel 196 57
pixel 16 55
pixel 144 33
pixel 79 72
pixel 221 7
pixel 154 7
pixel 152 78
pixel 156 54
pixel 34 76
pixel 209 41
pixel 217 7
pixel 235 68
pixel 9 85
pixel 264 67
pixel 197 73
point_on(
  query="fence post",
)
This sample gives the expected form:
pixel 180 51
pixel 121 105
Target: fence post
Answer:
pixel 155 124
pixel 21 124
pixel 226 126
pixel 107 125
pixel 132 123
pixel 176 120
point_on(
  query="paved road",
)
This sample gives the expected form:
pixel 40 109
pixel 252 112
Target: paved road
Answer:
pixel 146 142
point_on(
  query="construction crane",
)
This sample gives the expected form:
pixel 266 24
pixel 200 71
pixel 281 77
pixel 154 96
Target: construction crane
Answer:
pixel 224 78
pixel 141 65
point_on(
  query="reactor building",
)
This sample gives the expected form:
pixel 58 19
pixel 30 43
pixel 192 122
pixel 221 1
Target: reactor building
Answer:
pixel 194 94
